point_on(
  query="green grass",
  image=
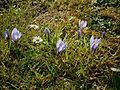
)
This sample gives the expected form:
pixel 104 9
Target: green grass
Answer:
pixel 25 65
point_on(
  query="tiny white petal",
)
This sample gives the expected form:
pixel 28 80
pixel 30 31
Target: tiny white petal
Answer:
pixel 37 39
pixel 115 69
pixel 33 26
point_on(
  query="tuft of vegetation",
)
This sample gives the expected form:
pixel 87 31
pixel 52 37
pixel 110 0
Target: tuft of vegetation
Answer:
pixel 33 62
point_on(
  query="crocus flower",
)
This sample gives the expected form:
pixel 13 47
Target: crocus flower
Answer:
pixel 103 33
pixel 82 24
pixel 94 42
pixel 6 34
pixel 33 26
pixel 79 33
pixel 37 39
pixel 47 31
pixel 60 46
pixel 15 35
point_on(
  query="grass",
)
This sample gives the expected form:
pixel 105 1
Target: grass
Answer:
pixel 26 65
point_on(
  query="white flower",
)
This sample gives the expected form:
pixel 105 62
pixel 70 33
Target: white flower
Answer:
pixel 33 26
pixel 15 35
pixel 37 39
pixel 115 69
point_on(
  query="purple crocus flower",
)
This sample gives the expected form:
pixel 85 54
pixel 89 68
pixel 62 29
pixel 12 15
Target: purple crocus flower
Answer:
pixel 47 31
pixel 6 34
pixel 60 46
pixel 15 35
pixel 94 42
pixel 82 24
pixel 79 33
pixel 103 33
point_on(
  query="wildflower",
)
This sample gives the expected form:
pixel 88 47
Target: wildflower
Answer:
pixel 60 46
pixel 79 33
pixel 82 24
pixel 94 43
pixel 6 34
pixel 47 31
pixel 16 35
pixel 115 69
pixel 37 39
pixel 33 26
pixel 103 33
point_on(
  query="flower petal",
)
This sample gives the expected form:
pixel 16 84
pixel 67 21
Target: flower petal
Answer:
pixel 47 31
pixel 79 33
pixel 37 39
pixel 82 24
pixel 115 69
pixel 60 46
pixel 33 26
pixel 16 35
pixel 91 41
pixel 58 43
pixel 6 34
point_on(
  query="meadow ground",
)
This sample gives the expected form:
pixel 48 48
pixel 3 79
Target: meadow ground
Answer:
pixel 28 64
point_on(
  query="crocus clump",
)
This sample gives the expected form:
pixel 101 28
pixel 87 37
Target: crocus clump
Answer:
pixel 37 39
pixel 94 42
pixel 6 34
pixel 60 46
pixel 47 31
pixel 15 35
pixel 82 25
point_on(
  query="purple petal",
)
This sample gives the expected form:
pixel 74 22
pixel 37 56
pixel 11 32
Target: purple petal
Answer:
pixel 16 35
pixel 58 43
pixel 6 34
pixel 60 46
pixel 82 24
pixel 94 47
pixel 95 44
pixel 47 31
pixel 103 33
pixel 79 33
pixel 91 41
